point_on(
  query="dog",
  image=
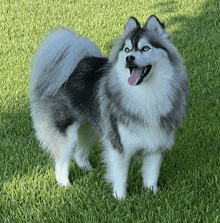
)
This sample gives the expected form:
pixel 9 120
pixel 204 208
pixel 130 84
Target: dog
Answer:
pixel 131 102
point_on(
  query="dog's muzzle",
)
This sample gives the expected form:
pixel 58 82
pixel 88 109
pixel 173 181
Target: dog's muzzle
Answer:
pixel 137 73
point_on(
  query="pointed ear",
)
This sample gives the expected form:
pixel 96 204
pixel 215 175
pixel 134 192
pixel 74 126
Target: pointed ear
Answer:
pixel 131 25
pixel 153 24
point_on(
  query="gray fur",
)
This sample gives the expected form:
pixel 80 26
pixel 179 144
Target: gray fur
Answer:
pixel 57 57
pixel 130 26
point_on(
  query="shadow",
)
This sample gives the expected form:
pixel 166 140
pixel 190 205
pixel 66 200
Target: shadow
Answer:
pixel 197 40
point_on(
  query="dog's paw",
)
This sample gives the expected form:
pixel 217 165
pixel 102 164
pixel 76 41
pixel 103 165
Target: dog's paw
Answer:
pixel 64 182
pixel 120 194
pixel 88 167
pixel 85 166
pixel 62 176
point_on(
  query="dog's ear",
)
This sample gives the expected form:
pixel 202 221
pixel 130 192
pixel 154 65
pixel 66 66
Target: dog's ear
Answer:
pixel 153 24
pixel 131 25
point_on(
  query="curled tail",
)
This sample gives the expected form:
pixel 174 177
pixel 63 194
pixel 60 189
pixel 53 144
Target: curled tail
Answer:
pixel 56 58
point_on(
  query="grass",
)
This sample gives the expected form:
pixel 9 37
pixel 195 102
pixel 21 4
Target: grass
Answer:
pixel 189 183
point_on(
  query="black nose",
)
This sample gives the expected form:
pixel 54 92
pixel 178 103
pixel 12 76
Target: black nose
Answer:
pixel 130 59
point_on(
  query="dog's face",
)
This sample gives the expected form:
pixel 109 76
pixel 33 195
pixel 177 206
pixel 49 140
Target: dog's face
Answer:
pixel 136 57
pixel 141 49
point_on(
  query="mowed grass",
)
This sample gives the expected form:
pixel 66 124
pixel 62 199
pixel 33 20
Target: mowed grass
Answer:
pixel 189 183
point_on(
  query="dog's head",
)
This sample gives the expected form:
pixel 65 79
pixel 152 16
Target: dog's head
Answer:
pixel 139 49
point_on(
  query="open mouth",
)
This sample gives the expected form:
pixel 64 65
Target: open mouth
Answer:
pixel 138 74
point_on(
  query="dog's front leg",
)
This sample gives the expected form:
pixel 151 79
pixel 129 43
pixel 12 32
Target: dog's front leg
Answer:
pixel 151 170
pixel 117 171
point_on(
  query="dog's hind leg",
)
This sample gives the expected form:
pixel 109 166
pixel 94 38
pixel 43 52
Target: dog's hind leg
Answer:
pixel 81 156
pixel 60 146
pixel 87 139
pixel 64 154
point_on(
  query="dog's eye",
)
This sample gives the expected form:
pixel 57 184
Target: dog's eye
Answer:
pixel 127 50
pixel 146 48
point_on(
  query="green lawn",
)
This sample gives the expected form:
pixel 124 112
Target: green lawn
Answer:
pixel 189 183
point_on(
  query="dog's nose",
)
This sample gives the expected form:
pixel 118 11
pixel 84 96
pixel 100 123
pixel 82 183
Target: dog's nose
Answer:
pixel 130 59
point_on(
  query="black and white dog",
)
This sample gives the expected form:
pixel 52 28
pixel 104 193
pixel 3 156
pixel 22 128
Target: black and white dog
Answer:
pixel 132 101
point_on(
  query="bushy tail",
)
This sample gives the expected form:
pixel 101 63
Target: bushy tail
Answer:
pixel 56 58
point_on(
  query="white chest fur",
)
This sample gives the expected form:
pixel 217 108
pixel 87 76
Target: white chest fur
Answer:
pixel 149 138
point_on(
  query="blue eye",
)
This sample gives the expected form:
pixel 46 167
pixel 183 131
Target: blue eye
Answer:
pixel 146 48
pixel 127 50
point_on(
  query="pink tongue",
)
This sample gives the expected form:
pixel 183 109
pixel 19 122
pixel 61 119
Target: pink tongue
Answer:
pixel 133 79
